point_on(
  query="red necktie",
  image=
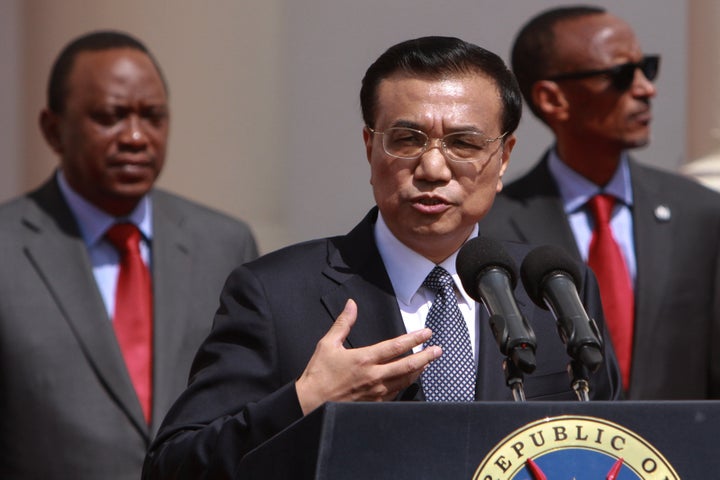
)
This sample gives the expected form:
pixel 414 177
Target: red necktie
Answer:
pixel 133 311
pixel 616 291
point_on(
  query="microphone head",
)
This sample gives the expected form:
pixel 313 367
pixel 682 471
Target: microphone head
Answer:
pixel 477 256
pixel 542 262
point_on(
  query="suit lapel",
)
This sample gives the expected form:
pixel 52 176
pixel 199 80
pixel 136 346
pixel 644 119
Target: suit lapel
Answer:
pixel 57 251
pixel 543 221
pixel 652 242
pixel 172 280
pixel 354 263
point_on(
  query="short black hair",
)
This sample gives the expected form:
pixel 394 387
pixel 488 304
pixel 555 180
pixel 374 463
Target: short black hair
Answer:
pixel 437 57
pixel 93 41
pixel 533 56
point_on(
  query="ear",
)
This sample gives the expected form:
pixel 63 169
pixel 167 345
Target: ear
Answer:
pixel 50 127
pixel 550 100
pixel 505 159
pixel 367 139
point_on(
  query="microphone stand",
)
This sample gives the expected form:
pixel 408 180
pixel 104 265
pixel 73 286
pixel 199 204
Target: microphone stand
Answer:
pixel 585 359
pixel 520 359
pixel 514 379
pixel 580 380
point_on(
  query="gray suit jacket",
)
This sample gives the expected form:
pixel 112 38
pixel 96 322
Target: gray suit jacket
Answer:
pixel 677 245
pixel 68 407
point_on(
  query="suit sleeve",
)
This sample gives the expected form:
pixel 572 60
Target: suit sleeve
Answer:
pixel 714 380
pixel 235 400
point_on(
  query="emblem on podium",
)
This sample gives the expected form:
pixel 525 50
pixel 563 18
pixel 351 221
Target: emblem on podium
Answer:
pixel 574 447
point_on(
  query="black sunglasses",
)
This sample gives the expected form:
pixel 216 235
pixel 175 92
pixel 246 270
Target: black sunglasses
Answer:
pixel 622 75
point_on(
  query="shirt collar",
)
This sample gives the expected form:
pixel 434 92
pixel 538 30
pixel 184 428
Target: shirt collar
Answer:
pixel 408 269
pixel 93 222
pixel 577 190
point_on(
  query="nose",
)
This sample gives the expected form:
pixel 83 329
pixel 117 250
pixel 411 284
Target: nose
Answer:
pixel 133 132
pixel 432 165
pixel 642 86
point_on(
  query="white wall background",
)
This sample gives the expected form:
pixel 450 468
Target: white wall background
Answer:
pixel 264 95
pixel 330 44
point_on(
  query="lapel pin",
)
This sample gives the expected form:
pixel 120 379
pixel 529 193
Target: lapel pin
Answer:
pixel 663 213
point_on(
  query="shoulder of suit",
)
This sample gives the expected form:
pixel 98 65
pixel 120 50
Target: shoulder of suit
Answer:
pixel 673 184
pixel 186 210
pixel 15 211
pixel 13 205
pixel 301 258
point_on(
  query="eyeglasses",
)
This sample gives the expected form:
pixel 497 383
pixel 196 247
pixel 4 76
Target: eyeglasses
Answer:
pixel 461 147
pixel 622 75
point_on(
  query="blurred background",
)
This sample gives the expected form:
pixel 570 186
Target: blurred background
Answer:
pixel 265 117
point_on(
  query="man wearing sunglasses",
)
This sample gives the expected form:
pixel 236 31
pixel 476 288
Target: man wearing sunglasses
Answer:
pixel 582 72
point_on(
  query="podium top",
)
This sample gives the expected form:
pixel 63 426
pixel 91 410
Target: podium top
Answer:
pixel 451 440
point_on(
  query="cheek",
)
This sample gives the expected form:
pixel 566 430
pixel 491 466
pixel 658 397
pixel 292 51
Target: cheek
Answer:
pixel 479 194
pixel 388 182
pixel 90 142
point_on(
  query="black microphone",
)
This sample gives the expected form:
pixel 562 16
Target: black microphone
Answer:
pixel 551 278
pixel 489 276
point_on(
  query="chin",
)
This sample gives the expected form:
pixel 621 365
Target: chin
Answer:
pixel 637 144
pixel 132 192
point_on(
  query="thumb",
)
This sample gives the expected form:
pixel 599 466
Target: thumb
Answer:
pixel 343 323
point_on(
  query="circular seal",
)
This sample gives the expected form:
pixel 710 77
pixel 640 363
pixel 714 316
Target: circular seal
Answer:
pixel 574 447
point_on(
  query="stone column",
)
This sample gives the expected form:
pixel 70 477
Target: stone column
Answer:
pixel 703 92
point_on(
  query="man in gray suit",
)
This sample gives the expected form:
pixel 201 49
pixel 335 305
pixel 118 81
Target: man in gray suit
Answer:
pixel 69 406
pixel 583 73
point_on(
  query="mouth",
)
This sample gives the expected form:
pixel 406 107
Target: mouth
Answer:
pixel 131 166
pixel 431 205
pixel 644 117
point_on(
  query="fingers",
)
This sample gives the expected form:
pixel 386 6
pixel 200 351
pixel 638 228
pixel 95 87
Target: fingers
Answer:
pixel 342 325
pixel 409 368
pixel 403 372
pixel 388 350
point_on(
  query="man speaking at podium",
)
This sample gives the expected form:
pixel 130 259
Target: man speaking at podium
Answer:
pixel 336 319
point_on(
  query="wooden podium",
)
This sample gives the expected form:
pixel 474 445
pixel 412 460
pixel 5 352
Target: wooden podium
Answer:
pixel 417 440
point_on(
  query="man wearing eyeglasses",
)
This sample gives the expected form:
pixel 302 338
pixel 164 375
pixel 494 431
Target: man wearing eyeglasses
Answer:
pixel 583 73
pixel 328 320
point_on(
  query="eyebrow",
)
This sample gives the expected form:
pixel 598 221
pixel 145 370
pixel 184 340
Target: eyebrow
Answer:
pixel 416 126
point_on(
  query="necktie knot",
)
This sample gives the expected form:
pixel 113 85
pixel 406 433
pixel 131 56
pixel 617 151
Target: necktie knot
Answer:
pixel 125 237
pixel 438 280
pixel 601 206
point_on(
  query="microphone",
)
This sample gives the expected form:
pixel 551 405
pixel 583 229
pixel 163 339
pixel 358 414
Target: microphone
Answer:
pixel 550 278
pixel 489 276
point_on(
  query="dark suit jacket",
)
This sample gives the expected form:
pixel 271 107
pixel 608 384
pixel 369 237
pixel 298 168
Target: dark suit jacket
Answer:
pixel 677 314
pixel 68 407
pixel 273 312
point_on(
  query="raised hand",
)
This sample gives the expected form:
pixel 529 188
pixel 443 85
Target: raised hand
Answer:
pixel 374 373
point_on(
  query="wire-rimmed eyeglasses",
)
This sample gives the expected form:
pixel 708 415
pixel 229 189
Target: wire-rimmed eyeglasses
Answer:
pixel 462 147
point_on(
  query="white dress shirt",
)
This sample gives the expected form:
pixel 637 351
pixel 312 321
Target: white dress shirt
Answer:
pixel 576 191
pixel 93 224
pixel 407 270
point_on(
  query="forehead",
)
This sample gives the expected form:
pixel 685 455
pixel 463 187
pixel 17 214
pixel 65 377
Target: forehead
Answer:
pixel 122 69
pixel 470 100
pixel 595 41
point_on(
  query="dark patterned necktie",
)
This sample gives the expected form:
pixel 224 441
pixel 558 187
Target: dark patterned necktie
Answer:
pixel 450 378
